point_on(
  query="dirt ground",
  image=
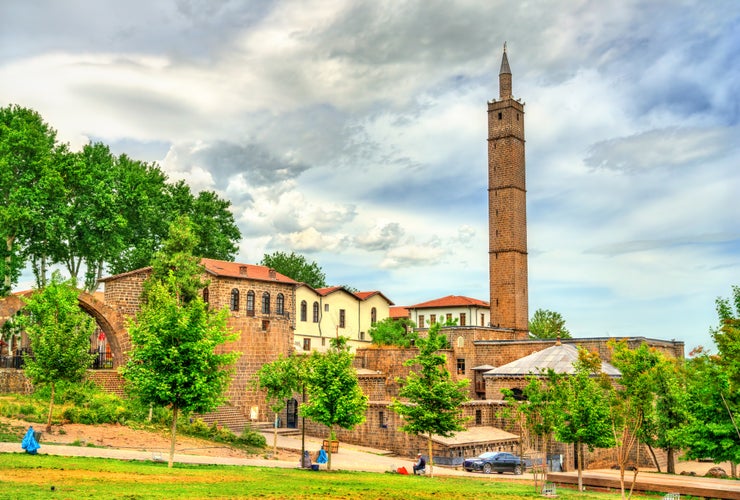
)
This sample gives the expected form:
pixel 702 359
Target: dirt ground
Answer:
pixel 120 436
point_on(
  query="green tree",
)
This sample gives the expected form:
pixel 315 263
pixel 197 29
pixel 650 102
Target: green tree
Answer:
pixel 538 409
pixel 727 335
pixel 334 394
pixel 584 397
pixel 671 409
pixel 432 398
pixel 176 337
pixel 711 431
pixel 27 179
pixel 280 379
pixel 546 324
pixel 395 332
pixel 59 335
pixel 296 266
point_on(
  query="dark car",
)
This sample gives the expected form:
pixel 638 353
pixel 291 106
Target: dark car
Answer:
pixel 494 461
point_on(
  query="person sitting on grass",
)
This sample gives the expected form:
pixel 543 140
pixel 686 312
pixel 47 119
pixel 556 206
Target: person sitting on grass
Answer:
pixel 420 465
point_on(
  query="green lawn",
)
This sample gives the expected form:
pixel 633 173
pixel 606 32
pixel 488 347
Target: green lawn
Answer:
pixel 43 476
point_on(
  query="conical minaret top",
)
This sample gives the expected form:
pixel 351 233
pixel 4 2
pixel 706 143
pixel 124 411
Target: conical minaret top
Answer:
pixel 504 77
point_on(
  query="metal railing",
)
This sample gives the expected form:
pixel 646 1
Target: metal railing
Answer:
pixel 102 360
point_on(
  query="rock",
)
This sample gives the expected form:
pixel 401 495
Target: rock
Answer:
pixel 716 472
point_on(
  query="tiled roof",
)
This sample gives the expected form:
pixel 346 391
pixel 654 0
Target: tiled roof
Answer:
pixel 330 289
pixel 367 295
pixel 450 301
pixel 559 358
pixel 227 269
pixel 236 270
pixel 398 312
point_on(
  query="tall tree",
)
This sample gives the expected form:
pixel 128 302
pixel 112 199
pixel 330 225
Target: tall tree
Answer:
pixel 175 360
pixel 432 400
pixel 26 178
pixel 539 410
pixel 584 397
pixel 59 334
pixel 546 324
pixel 296 266
pixel 727 335
pixel 392 331
pixel 280 379
pixel 334 394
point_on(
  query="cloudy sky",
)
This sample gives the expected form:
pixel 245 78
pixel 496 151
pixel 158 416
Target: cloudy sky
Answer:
pixel 354 132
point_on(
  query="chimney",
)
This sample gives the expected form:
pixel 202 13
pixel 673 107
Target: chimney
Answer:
pixel 242 270
pixel 272 274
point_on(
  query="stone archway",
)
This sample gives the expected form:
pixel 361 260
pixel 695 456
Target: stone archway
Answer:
pixel 108 319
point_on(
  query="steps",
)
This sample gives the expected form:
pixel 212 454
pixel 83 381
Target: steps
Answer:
pixel 227 416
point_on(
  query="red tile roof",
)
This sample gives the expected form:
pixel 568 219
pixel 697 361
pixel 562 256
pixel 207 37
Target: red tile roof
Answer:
pixel 450 301
pixel 249 271
pixel 367 295
pixel 398 312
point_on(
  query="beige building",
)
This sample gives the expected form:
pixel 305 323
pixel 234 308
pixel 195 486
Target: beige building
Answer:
pixel 326 313
pixel 466 311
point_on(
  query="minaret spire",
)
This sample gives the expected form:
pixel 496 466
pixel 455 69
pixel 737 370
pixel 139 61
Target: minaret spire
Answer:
pixel 504 77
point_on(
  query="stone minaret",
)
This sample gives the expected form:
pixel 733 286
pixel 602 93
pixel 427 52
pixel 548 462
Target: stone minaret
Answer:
pixel 507 210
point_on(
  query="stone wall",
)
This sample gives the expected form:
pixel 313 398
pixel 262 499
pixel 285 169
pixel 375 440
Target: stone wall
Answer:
pixel 14 381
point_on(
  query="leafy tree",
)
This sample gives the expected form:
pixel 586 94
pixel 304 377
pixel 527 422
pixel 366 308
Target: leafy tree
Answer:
pixel 671 409
pixel 433 399
pixel 712 403
pixel 175 337
pixel 296 266
pixel 334 394
pixel 59 334
pixel 727 335
pixel 395 332
pixel 27 179
pixel 546 324
pixel 584 397
pixel 539 409
pixel 280 379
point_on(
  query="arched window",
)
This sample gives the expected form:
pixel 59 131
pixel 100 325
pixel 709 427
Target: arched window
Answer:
pixel 315 312
pixel 265 303
pixel 304 310
pixel 280 304
pixel 234 299
pixel 373 316
pixel 205 295
pixel 250 303
pixel 460 341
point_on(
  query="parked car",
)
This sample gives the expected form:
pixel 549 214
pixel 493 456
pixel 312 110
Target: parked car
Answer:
pixel 495 461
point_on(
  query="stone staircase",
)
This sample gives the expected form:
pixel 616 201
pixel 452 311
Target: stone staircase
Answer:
pixel 232 418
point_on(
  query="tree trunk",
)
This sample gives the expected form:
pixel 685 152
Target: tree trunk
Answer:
pixel 671 458
pixel 274 437
pixel 8 260
pixel 430 459
pixel 328 452
pixel 51 408
pixel 655 459
pixel 173 434
pixel 579 452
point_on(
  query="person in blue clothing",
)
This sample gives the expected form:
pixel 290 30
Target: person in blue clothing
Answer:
pixel 29 442
pixel 322 458
pixel 420 465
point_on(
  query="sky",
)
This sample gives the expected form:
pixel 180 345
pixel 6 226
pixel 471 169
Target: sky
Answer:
pixel 354 133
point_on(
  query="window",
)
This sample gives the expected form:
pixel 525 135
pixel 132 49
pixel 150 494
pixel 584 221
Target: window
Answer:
pixel 460 341
pixel 306 344
pixel 362 335
pixel 500 115
pixel 304 310
pixel 250 303
pixel 462 319
pixel 448 317
pixel 482 319
pixel 461 366
pixel 421 321
pixel 280 304
pixel 205 295
pixel 341 318
pixel 373 316
pixel 234 299
pixel 265 303
pixel 478 417
pixel 326 307
pixel 432 319
pixel 265 325
pixel 381 420
pixel 315 312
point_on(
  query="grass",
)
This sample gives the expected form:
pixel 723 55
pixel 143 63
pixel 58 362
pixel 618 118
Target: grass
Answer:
pixel 45 476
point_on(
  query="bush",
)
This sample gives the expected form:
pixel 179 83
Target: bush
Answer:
pixel 251 437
